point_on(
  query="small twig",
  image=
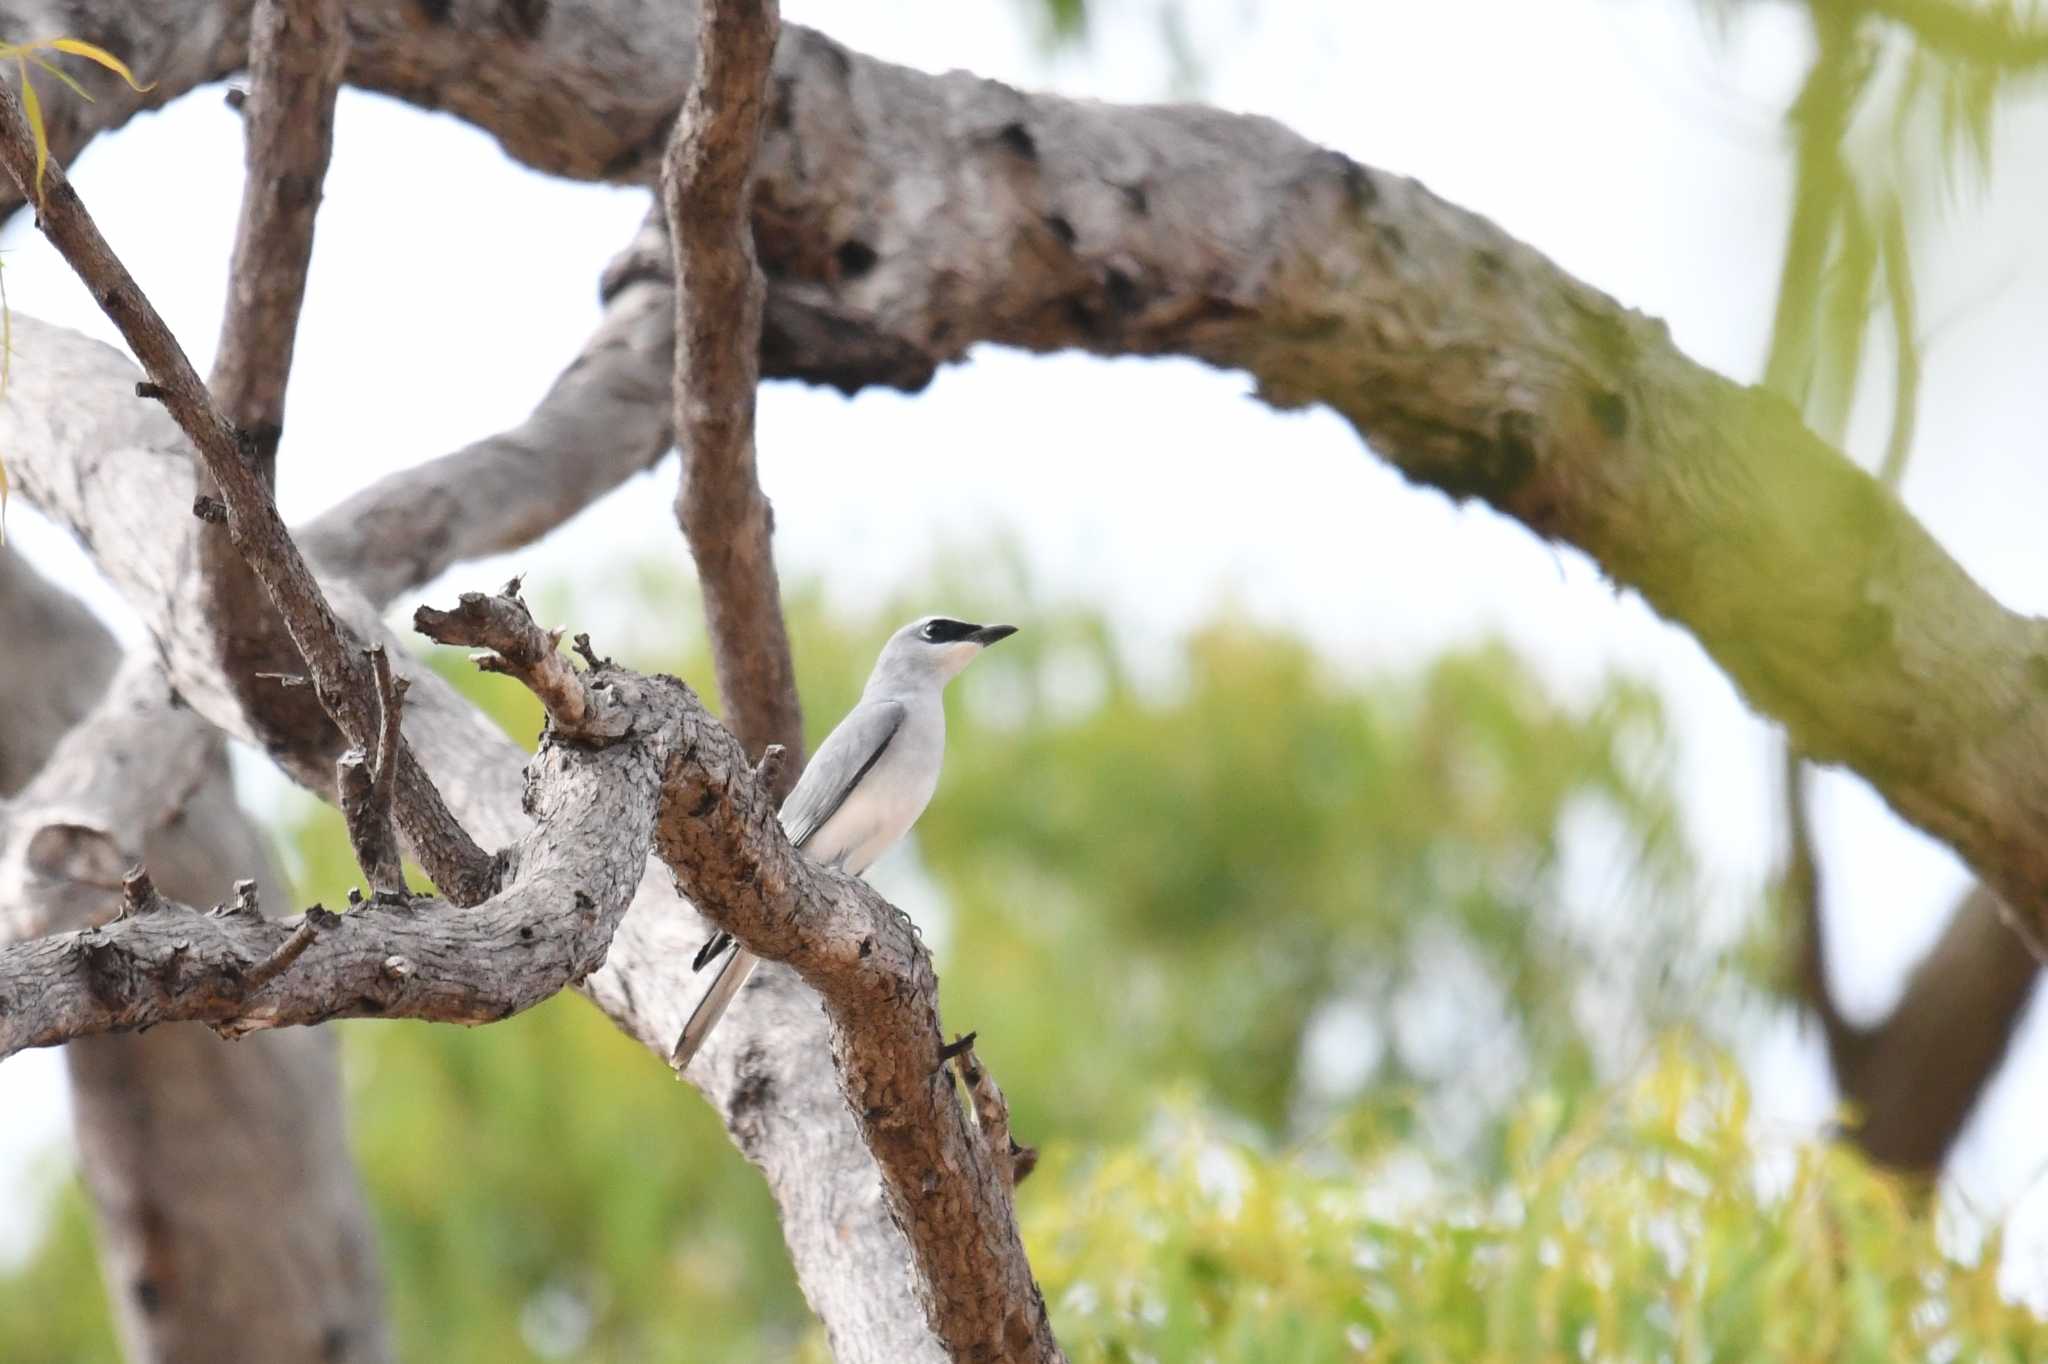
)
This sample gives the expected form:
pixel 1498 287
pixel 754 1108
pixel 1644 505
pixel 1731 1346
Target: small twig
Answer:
pixel 367 783
pixel 589 655
pixel 145 389
pixel 517 647
pixel 391 690
pixel 139 894
pixel 280 961
pixel 284 679
pixel 991 1112
pixel 211 510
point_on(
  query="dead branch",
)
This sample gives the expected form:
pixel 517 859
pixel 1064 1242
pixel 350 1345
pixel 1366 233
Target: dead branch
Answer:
pixel 707 187
pixel 297 51
pixel 366 784
pixel 518 647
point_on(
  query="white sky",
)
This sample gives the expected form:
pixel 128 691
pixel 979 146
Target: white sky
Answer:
pixel 1642 153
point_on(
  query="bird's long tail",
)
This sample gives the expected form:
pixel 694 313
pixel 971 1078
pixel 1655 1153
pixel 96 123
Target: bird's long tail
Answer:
pixel 712 1007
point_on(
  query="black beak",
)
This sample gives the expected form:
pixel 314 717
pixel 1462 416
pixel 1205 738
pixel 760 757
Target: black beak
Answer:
pixel 989 634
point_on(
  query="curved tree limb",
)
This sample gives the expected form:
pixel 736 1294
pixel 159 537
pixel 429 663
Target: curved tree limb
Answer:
pixel 1469 361
pixel 609 416
pixel 568 883
pixel 708 190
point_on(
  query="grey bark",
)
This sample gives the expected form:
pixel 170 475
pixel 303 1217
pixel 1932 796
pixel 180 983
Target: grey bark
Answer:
pixel 179 1134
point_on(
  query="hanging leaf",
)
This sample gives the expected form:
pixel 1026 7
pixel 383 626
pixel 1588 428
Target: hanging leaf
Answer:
pixel 32 106
pixel 105 58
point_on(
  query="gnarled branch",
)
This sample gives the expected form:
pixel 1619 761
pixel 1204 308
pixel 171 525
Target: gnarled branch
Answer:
pixel 719 834
pixel 568 883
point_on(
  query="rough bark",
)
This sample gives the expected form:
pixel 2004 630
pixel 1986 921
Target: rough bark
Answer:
pixel 948 1186
pixel 178 1133
pixel 708 189
pixel 296 55
pixel 592 793
pixel 768 1072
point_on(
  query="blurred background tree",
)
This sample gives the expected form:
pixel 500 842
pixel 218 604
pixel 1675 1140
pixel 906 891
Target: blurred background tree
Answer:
pixel 1359 1015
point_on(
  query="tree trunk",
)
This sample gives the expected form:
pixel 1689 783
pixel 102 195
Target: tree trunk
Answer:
pixel 232 1225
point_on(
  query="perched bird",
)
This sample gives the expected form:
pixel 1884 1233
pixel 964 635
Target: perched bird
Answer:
pixel 867 783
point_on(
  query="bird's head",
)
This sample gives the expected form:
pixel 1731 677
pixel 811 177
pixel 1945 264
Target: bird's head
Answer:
pixel 933 649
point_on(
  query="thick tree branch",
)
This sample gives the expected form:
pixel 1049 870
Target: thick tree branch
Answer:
pixel 707 187
pixel 1466 359
pixel 569 881
pixel 113 780
pixel 339 676
pixel 720 835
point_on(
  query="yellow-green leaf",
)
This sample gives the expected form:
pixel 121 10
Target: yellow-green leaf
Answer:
pixel 78 48
pixel 61 74
pixel 32 106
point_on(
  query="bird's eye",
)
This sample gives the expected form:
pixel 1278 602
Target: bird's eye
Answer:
pixel 930 633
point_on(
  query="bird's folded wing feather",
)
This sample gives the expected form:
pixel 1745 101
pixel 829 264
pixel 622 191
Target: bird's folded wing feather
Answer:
pixel 847 755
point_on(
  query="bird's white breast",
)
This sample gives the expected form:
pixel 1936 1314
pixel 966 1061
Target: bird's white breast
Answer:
pixel 881 809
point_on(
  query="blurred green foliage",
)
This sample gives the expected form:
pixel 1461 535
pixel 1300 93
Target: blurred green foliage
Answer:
pixel 1635 1232
pixel 1156 875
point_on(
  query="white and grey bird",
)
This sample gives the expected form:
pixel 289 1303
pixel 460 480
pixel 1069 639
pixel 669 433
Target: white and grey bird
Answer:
pixel 867 783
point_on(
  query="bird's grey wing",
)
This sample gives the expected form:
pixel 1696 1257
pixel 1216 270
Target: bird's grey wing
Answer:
pixel 849 751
